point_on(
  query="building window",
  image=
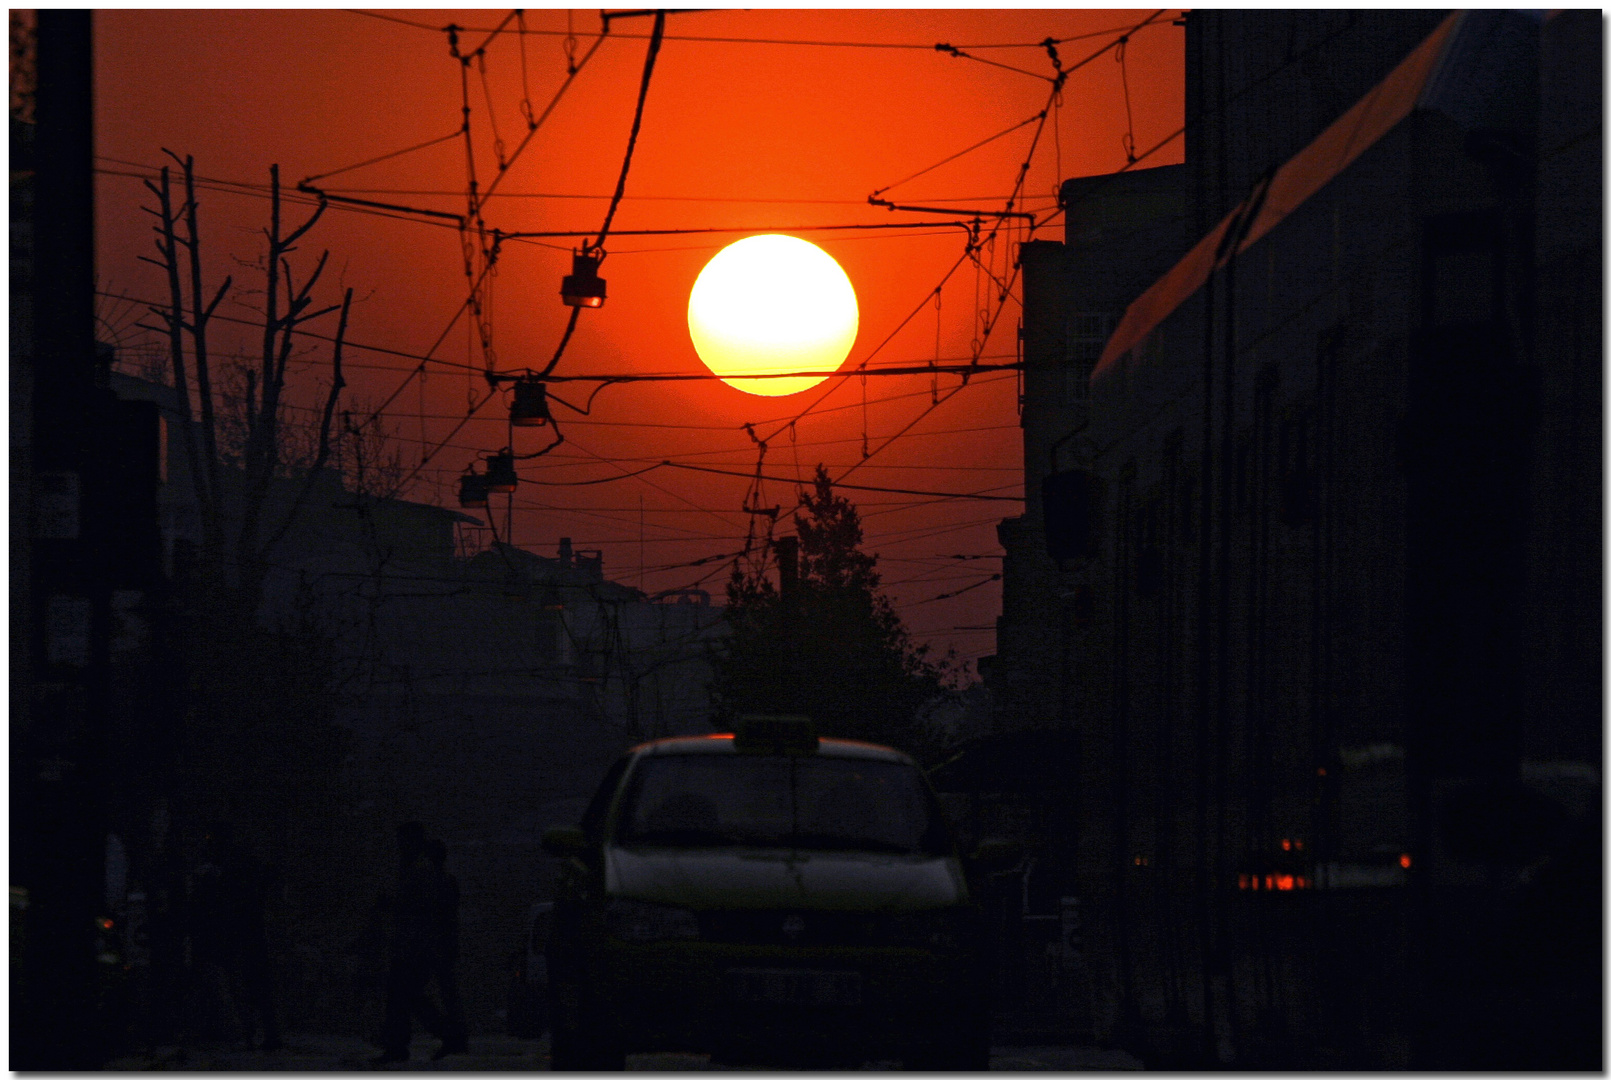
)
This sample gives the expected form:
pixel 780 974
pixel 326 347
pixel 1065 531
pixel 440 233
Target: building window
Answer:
pixel 1088 334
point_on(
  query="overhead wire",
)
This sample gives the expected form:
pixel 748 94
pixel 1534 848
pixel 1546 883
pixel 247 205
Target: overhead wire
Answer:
pixel 1057 84
pixel 762 41
pixel 876 349
pixel 952 50
pixel 620 185
pixel 383 157
pixel 959 153
pixel 395 212
pixel 661 461
pixel 946 596
pixel 1010 202
pixel 670 198
pixel 657 487
pixel 850 487
pixel 615 203
pixel 533 124
pixel 934 576
pixel 602 377
pixel 1023 174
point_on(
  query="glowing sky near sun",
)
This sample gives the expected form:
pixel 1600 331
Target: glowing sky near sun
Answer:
pixel 739 133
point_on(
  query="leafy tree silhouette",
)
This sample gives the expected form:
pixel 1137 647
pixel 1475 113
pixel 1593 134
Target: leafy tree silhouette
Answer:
pixel 828 644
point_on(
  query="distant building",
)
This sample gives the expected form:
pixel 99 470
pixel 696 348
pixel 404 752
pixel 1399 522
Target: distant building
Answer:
pixel 1123 231
pixel 485 693
pixel 1325 616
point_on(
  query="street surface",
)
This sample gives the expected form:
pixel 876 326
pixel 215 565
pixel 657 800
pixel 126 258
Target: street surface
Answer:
pixel 503 1053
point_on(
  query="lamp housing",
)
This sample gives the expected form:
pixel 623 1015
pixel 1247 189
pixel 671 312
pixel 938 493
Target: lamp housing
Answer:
pixel 530 407
pixel 473 490
pixel 583 287
pixel 501 472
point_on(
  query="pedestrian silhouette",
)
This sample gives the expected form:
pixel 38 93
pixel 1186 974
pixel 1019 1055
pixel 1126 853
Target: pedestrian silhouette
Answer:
pixel 424 949
pixel 229 931
pixel 445 950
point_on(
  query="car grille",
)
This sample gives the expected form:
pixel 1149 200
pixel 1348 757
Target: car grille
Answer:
pixel 795 928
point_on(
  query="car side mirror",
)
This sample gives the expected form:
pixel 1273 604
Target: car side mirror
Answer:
pixel 992 856
pixel 565 843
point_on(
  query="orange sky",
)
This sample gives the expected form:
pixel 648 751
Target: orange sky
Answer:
pixel 740 135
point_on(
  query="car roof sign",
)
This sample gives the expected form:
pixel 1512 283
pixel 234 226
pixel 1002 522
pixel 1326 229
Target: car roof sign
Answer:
pixel 757 733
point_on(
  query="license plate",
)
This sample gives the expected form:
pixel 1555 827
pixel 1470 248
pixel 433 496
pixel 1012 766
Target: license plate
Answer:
pixel 789 986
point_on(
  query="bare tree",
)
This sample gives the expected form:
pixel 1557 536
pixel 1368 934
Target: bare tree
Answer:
pixel 236 538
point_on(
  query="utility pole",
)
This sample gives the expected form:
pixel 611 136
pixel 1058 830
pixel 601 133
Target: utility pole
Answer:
pixel 787 549
pixel 90 535
pixel 57 799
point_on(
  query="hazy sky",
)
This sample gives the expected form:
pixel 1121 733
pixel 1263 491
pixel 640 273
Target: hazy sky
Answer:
pixel 793 126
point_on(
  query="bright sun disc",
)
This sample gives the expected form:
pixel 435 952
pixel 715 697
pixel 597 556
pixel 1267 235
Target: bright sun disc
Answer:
pixel 770 304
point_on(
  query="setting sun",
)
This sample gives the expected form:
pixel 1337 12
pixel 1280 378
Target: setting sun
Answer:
pixel 770 304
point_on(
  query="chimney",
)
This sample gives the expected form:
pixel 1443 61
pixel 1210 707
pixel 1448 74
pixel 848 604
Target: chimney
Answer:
pixel 788 553
pixel 564 553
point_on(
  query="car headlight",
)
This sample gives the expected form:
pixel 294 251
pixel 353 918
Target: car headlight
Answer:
pixel 640 921
pixel 946 929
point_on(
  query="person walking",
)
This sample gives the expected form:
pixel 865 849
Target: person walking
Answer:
pixel 424 949
pixel 444 952
pixel 230 932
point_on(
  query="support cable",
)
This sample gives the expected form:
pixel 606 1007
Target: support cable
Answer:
pixel 377 160
pixel 757 41
pixel 958 592
pixel 983 142
pixel 637 122
pixel 1129 117
pixel 420 368
pixel 492 116
pixel 533 124
pixel 954 51
pixel 851 487
pixel 666 491
pixel 1057 86
pixel 877 348
pixel 426 459
pixel 620 184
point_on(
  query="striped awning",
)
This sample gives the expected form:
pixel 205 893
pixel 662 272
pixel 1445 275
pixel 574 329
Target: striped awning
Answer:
pixel 1311 169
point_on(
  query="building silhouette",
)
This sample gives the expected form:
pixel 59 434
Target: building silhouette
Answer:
pixel 478 687
pixel 1310 559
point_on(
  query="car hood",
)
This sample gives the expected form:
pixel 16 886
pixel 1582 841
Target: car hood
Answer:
pixel 749 878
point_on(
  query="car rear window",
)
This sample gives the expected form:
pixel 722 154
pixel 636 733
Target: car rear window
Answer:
pixel 815 803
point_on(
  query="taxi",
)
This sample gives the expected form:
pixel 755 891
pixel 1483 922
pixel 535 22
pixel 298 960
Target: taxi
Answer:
pixel 767 897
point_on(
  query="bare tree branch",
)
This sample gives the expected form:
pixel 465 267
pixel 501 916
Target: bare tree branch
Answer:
pixel 318 212
pixel 337 382
pixel 167 247
pixel 267 443
pixel 198 333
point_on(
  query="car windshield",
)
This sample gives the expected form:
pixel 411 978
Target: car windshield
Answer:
pixel 821 803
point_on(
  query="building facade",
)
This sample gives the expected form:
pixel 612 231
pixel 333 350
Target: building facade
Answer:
pixel 1314 567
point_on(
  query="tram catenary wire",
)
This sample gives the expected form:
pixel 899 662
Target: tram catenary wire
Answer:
pixel 706 39
pixel 659 35
pixel 850 487
pixel 886 230
pixel 624 377
pixel 443 193
pixel 567 460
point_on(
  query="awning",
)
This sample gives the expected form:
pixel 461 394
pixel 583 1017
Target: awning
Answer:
pixel 1311 169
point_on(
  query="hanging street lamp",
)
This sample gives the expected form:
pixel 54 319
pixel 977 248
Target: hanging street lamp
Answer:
pixel 501 472
pixel 530 407
pixel 583 287
pixel 473 490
